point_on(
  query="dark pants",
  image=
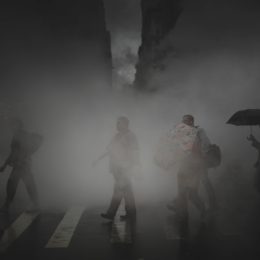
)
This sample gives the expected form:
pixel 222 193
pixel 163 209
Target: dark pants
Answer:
pixel 122 190
pixel 21 172
pixel 189 178
pixel 210 191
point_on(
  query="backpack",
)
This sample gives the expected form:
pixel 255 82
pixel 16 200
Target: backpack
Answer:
pixel 175 145
pixel 213 156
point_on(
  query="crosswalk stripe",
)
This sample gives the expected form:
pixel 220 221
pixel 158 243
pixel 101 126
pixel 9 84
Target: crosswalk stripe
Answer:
pixel 16 229
pixel 121 233
pixel 63 234
pixel 121 230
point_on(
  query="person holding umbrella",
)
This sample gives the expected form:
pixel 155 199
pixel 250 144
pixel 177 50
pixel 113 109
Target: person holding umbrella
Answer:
pixel 256 144
pixel 249 117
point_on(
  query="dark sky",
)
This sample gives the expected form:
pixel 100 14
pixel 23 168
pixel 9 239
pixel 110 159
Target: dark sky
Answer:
pixel 204 24
pixel 225 20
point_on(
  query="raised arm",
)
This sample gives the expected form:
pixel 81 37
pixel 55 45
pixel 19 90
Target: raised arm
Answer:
pixel 254 142
pixel 101 157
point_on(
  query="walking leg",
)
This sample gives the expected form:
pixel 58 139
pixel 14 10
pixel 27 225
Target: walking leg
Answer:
pixel 30 185
pixel 197 201
pixel 11 188
pixel 115 201
pixel 182 206
pixel 210 191
pixel 130 201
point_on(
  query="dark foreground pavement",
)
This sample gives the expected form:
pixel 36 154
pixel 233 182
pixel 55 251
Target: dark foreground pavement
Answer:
pixel 80 233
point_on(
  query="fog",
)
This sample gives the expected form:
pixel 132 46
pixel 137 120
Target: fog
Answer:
pixel 208 75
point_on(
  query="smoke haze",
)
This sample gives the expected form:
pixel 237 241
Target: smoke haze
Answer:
pixel 212 72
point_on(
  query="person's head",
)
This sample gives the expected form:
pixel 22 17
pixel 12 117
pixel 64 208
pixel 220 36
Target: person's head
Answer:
pixel 188 120
pixel 122 124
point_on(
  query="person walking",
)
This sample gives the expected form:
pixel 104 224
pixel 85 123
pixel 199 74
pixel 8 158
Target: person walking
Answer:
pixel 191 143
pixel 23 145
pixel 123 153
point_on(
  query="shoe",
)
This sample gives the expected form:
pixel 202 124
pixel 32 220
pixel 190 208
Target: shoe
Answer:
pixel 106 216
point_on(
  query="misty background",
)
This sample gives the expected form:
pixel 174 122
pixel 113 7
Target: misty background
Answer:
pixel 211 72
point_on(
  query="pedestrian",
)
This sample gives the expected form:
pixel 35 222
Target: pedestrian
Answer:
pixel 193 144
pixel 123 153
pixel 256 144
pixel 23 145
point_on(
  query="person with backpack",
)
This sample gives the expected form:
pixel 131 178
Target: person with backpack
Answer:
pixel 195 154
pixel 23 145
pixel 191 167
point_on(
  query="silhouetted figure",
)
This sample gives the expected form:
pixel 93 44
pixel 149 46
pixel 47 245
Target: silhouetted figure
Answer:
pixel 23 145
pixel 192 143
pixel 256 144
pixel 193 165
pixel 123 158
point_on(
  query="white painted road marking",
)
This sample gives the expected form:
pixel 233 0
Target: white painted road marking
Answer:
pixel 121 230
pixel 63 234
pixel 16 229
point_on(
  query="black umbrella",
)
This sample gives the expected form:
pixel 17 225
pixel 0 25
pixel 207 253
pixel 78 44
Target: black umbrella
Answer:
pixel 248 117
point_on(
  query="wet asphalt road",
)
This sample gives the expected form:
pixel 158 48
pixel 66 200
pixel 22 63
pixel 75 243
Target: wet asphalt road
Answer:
pixel 80 233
